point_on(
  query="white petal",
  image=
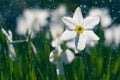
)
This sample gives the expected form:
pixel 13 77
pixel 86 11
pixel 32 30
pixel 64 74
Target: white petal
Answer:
pixel 22 26
pixel 10 33
pixel 5 33
pixel 12 52
pixel 67 35
pixel 78 16
pixel 34 48
pixel 56 42
pixel 56 29
pixel 108 34
pixel 71 44
pixel 90 22
pixel 51 58
pixel 67 57
pixel 82 42
pixel 69 22
pixel 60 69
pixel 52 55
pixel 106 20
pixel 91 35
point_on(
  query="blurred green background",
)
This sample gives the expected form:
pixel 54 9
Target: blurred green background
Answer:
pixel 10 9
pixel 103 62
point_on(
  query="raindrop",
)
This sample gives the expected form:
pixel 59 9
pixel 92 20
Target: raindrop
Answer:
pixel 84 6
pixel 101 79
pixel 116 51
pixel 110 1
pixel 96 2
pixel 50 0
pixel 9 11
pixel 105 56
pixel 11 4
pixel 118 11
pixel 110 58
pixel 23 46
pixel 24 3
pixel 113 10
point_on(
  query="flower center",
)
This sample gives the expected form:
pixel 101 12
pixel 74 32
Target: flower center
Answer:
pixel 79 29
pixel 57 57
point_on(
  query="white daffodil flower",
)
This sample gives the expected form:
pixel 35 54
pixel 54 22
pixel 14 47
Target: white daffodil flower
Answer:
pixel 108 34
pixel 56 32
pixel 80 29
pixel 103 14
pixel 31 21
pixel 116 36
pixel 56 25
pixel 10 46
pixel 112 36
pixel 59 57
pixel 58 13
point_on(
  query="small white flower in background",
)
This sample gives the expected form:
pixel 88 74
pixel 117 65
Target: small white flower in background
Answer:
pixel 58 13
pixel 21 26
pixel 116 35
pixel 112 35
pixel 56 32
pixel 56 42
pixel 56 25
pixel 59 57
pixel 108 34
pixel 92 43
pixel 32 21
pixel 80 29
pixel 103 14
pixel 10 46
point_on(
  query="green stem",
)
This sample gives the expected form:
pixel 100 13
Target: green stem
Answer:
pixel 18 41
pixel 30 57
pixel 86 66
